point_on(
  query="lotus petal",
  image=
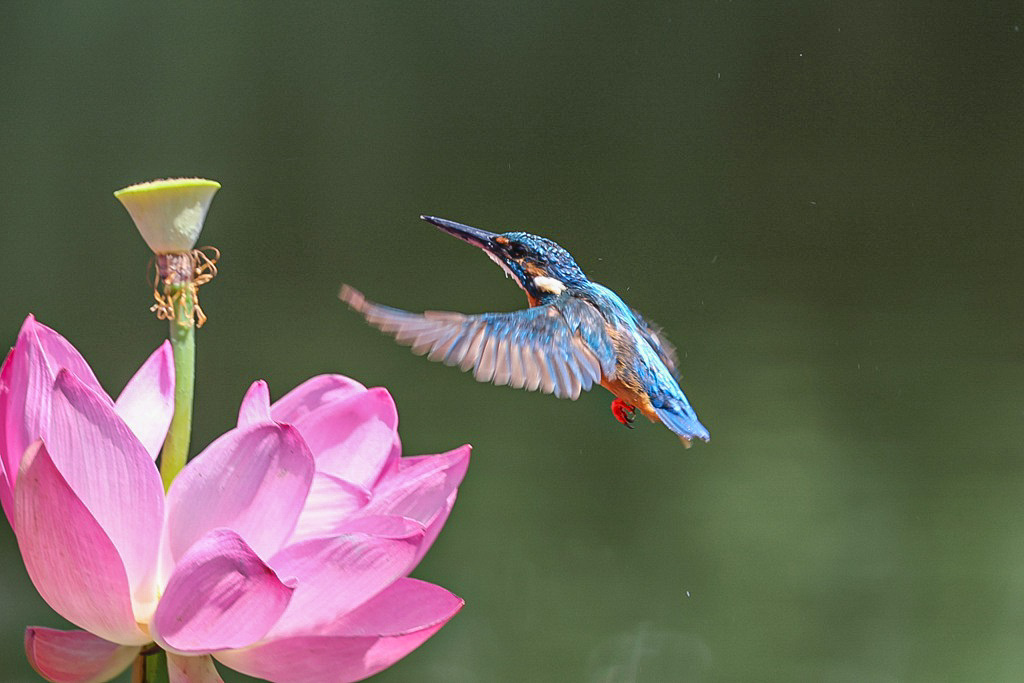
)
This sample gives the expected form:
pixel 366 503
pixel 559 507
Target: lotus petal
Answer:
pixel 331 501
pixel 366 641
pixel 71 561
pixel 221 595
pixel 252 480
pixel 335 575
pixel 75 656
pixel 352 439
pixel 182 669
pixel 255 408
pixel 146 403
pixel 110 472
pixel 313 393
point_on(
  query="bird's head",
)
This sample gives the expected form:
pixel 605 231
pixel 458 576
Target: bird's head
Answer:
pixel 538 265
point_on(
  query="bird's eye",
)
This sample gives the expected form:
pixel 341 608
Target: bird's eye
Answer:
pixel 516 251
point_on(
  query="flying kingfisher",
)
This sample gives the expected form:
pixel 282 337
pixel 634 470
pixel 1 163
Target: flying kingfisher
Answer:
pixel 574 334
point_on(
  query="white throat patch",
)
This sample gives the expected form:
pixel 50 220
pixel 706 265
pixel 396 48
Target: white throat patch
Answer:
pixel 549 284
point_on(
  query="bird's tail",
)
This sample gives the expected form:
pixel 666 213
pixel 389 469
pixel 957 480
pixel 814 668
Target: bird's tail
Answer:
pixel 683 421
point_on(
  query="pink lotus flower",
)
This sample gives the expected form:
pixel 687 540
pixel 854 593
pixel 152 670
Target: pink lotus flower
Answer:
pixel 282 550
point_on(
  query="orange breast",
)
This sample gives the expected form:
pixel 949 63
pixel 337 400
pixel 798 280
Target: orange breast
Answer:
pixel 639 401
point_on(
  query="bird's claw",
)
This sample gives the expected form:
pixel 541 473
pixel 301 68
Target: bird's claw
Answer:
pixel 623 412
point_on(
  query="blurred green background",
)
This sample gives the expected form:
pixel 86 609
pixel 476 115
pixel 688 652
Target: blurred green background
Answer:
pixel 820 202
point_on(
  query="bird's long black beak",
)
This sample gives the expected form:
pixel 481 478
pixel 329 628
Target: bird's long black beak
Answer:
pixel 466 233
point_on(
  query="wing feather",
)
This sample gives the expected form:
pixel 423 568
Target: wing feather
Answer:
pixel 473 345
pixel 428 339
pixel 534 376
pixel 564 388
pixel 547 375
pixel 559 348
pixel 502 363
pixel 517 375
pixel 575 381
pixel 589 362
pixel 655 336
pixel 484 371
pixel 581 369
pixel 443 345
pixel 459 346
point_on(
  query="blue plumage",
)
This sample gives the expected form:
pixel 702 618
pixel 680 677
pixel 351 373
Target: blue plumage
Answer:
pixel 575 334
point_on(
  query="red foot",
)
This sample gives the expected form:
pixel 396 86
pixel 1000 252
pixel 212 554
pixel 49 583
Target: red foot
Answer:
pixel 623 412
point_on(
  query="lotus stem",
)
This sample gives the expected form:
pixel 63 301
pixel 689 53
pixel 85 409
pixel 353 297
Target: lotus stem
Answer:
pixel 177 272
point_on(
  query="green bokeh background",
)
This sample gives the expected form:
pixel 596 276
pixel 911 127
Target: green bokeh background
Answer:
pixel 820 202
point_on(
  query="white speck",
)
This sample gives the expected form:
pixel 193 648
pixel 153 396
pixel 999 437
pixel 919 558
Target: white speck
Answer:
pixel 719 75
pixel 801 54
pixel 687 593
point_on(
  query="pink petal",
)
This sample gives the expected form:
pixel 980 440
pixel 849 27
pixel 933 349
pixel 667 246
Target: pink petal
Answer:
pixel 39 354
pixel 419 487
pixel 147 402
pixel 5 370
pixel 352 438
pixel 382 526
pixel 336 575
pixel 330 502
pixel 27 378
pixel 253 480
pixel 255 407
pixel 71 561
pixel 434 527
pixel 112 474
pixel 7 497
pixel 221 595
pixel 369 640
pixel 313 393
pixel 405 606
pixel 6 490
pixel 394 526
pixel 182 669
pixel 75 656
pixel 61 354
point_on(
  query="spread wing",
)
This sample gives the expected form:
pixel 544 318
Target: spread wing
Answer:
pixel 560 348
pixel 655 336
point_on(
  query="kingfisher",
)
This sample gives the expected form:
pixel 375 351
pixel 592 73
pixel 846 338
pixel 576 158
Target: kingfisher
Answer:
pixel 575 333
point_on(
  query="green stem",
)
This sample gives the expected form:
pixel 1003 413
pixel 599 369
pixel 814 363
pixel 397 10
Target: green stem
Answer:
pixel 156 668
pixel 183 344
pixel 150 667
